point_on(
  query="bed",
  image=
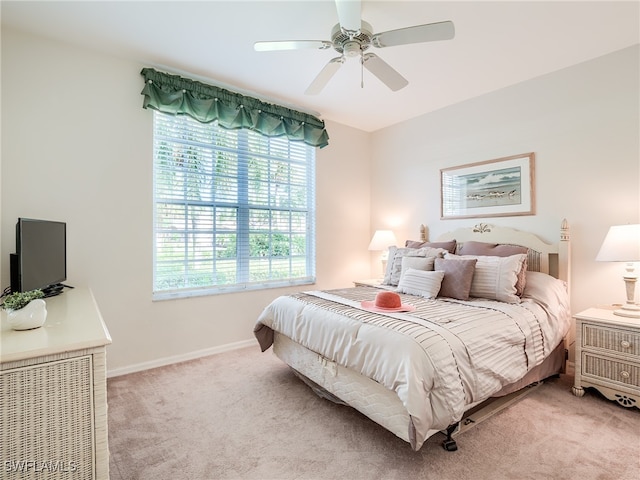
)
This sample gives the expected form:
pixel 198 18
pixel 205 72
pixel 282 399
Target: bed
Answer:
pixel 472 338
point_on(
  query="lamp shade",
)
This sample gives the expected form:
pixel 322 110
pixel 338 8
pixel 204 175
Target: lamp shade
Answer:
pixel 622 244
pixel 382 240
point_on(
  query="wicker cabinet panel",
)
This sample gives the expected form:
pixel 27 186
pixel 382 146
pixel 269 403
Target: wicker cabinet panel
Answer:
pixel 611 370
pixel 53 394
pixel 45 432
pixel 619 341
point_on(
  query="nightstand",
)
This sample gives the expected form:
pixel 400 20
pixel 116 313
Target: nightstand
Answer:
pixel 370 282
pixel 608 356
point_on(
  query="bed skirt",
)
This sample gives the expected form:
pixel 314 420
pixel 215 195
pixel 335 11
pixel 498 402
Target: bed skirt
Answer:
pixel 348 387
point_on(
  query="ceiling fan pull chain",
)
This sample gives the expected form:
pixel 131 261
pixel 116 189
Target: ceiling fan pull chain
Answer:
pixel 361 70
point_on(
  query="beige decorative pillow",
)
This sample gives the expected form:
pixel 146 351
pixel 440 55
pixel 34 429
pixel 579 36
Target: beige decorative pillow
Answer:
pixel 393 250
pixel 498 250
pixel 494 277
pixel 394 263
pixel 420 282
pixel 458 275
pixel 419 263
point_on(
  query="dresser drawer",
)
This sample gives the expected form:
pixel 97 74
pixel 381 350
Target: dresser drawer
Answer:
pixel 611 339
pixel 624 373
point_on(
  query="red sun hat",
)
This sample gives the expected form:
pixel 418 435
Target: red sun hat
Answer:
pixel 387 302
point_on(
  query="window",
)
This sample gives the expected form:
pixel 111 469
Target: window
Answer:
pixel 233 209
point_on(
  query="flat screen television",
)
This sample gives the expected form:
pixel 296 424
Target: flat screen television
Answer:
pixel 41 256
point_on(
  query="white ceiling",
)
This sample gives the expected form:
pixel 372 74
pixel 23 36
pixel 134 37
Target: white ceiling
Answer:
pixel 497 44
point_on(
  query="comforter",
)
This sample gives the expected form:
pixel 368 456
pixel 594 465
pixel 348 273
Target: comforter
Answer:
pixel 441 359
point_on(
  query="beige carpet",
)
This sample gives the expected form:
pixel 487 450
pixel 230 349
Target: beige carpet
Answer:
pixel 244 415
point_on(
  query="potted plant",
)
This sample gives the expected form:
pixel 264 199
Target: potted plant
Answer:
pixel 25 310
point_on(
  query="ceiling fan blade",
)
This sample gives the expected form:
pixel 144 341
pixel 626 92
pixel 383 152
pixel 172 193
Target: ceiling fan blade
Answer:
pixel 417 34
pixel 291 45
pixel 324 76
pixel 349 14
pixel 384 72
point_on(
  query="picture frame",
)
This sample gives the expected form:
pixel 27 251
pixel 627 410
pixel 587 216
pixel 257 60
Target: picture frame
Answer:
pixel 493 188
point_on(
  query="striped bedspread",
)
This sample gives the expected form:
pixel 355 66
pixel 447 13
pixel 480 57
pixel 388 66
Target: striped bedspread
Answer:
pixel 440 359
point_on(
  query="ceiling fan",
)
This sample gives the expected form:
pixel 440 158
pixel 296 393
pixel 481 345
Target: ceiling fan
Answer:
pixel 352 37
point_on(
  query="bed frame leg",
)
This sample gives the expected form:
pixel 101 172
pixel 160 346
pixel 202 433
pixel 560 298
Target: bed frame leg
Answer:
pixel 449 443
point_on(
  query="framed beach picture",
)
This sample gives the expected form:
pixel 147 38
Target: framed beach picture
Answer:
pixel 493 188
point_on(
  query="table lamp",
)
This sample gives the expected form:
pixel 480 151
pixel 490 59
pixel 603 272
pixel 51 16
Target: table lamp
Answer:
pixel 622 244
pixel 381 241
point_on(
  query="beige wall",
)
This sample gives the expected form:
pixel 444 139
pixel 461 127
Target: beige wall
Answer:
pixel 77 146
pixel 583 125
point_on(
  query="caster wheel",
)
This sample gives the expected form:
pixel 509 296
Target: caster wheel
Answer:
pixel 450 445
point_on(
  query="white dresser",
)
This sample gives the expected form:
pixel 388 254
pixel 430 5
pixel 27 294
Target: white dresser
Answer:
pixel 53 393
pixel 608 356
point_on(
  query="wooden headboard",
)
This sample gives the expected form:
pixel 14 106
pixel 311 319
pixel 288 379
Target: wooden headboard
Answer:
pixel 551 258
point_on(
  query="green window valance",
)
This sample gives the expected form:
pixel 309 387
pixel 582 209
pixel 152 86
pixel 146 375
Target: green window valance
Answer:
pixel 206 103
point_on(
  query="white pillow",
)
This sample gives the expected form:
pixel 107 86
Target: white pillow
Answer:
pixel 394 263
pixel 423 283
pixel 419 263
pixel 495 277
pixel 547 291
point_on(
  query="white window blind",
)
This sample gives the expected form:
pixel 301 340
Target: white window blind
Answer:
pixel 233 209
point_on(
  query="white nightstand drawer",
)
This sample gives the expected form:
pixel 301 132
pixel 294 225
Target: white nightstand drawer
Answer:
pixel 610 370
pixel 610 339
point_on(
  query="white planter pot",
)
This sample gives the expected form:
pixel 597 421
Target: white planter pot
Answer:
pixel 33 315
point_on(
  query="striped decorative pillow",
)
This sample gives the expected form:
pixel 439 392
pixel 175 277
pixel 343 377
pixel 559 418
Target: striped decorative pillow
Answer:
pixel 498 250
pixel 423 283
pixel 495 277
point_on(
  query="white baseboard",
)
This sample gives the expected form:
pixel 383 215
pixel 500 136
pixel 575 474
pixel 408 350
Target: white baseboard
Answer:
pixel 161 362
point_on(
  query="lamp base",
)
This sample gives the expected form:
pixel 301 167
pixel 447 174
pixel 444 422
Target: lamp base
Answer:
pixel 629 310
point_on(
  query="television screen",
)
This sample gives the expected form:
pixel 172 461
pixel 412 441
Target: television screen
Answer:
pixel 41 248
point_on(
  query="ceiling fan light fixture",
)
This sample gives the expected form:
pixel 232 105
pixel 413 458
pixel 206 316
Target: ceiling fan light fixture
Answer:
pixel 352 49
